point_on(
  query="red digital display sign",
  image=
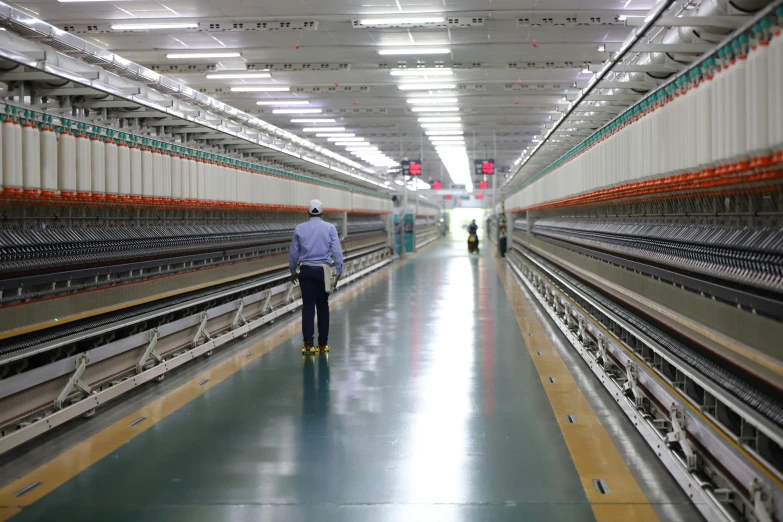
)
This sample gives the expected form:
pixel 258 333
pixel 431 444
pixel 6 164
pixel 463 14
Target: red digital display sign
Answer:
pixel 479 196
pixel 448 196
pixel 436 185
pixel 482 185
pixel 484 167
pixel 411 168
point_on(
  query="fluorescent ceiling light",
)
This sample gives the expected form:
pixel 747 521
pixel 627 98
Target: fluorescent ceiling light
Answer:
pixel 441 125
pixel 323 129
pixel 414 101
pixel 426 86
pixel 415 50
pixel 297 111
pixel 444 133
pixel 445 140
pixel 344 138
pixel 587 71
pixel 399 182
pixel 163 25
pixel 401 21
pixel 367 153
pixel 312 120
pixel 435 109
pixel 601 48
pixel 359 149
pixel 174 56
pixel 439 119
pixel 238 75
pixel 428 71
pixel 260 89
pixel 334 135
pixel 622 18
pixel 283 102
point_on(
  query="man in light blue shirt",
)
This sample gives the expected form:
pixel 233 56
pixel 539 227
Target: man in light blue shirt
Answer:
pixel 314 248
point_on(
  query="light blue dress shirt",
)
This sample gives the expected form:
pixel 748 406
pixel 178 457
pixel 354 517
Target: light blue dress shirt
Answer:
pixel 316 243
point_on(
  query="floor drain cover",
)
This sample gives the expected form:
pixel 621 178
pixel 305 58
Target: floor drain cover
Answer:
pixel 27 489
pixel 600 486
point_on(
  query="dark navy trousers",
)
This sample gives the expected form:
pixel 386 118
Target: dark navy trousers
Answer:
pixel 314 300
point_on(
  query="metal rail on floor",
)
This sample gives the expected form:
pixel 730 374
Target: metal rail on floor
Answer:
pixel 726 455
pixel 74 386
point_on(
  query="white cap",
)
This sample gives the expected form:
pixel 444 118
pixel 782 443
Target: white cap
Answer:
pixel 316 207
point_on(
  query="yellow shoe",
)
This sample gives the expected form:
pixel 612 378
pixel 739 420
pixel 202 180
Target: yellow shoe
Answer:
pixel 324 349
pixel 307 350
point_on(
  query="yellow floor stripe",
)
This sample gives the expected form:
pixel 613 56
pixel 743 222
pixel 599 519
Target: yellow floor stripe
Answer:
pixel 80 457
pixel 592 450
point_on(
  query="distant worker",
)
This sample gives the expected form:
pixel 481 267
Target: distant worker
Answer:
pixel 316 250
pixel 473 241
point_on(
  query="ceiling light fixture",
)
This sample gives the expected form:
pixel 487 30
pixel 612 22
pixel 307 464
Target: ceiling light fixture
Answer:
pixel 323 129
pixel 401 21
pixel 415 50
pixel 297 111
pixel 426 86
pixel 338 135
pixel 174 56
pixel 238 75
pixel 428 71
pixel 441 125
pixel 601 48
pixel 435 109
pixel 414 101
pixel 260 89
pixel 439 119
pixel 586 71
pixel 146 27
pixel 283 102
pixel 312 120
pixel 344 138
pixel 444 133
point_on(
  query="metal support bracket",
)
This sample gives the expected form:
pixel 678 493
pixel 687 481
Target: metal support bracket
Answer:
pixel 678 435
pixel 239 319
pixel 289 298
pixel 762 502
pixel 202 332
pixel 581 332
pixel 630 384
pixel 602 349
pixel 268 302
pixel 150 351
pixel 74 382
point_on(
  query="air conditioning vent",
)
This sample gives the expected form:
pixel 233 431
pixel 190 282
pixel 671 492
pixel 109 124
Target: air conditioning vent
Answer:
pixel 575 20
pixel 466 22
pixel 299 66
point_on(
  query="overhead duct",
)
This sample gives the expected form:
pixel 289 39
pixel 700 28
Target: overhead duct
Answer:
pixel 687 35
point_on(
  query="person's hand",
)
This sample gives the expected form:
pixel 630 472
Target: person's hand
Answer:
pixel 294 279
pixel 334 283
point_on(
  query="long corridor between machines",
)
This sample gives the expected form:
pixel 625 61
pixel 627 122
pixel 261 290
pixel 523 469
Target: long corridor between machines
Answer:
pixel 429 407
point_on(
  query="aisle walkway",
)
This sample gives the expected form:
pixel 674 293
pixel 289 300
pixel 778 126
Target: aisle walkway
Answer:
pixel 428 408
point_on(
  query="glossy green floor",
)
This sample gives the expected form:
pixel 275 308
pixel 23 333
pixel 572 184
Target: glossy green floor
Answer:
pixel 428 408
